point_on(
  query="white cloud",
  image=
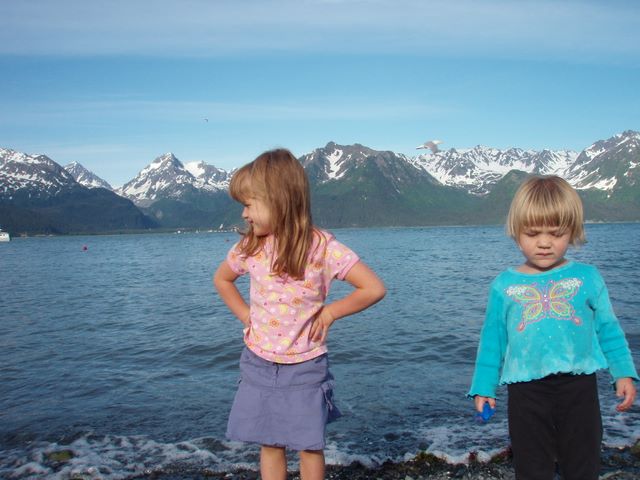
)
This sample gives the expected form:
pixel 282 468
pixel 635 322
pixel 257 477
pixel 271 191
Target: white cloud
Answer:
pixel 541 28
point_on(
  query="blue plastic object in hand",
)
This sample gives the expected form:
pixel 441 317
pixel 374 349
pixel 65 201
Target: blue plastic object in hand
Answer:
pixel 486 414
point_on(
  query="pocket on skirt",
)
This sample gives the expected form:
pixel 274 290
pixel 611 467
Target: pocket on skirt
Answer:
pixel 333 413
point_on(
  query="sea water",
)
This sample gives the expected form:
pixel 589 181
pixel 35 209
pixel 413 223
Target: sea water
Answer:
pixel 117 358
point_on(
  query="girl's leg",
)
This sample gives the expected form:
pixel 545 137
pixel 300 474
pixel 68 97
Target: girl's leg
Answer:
pixel 579 428
pixel 312 464
pixel 273 463
pixel 532 430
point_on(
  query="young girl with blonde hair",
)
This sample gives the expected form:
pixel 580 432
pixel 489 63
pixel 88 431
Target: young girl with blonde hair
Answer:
pixel 284 399
pixel 549 327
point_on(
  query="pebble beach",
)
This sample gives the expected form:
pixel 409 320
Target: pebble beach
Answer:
pixel 617 464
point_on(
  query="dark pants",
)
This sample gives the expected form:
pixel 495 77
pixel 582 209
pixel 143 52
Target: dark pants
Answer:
pixel 556 419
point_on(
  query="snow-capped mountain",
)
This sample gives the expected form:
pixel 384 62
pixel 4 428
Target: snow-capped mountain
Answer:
pixel 37 195
pixel 33 176
pixel 603 166
pixel 333 161
pixel 478 169
pixel 337 162
pixel 167 177
pixel 608 164
pixel 353 185
pixel 209 177
pixel 86 177
pixel 164 177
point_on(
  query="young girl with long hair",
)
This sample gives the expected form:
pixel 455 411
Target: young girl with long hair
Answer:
pixel 549 327
pixel 284 399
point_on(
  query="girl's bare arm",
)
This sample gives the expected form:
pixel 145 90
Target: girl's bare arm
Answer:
pixel 368 289
pixel 224 281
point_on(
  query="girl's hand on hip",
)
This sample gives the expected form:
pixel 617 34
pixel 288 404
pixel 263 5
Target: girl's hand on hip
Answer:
pixel 320 326
pixel 625 388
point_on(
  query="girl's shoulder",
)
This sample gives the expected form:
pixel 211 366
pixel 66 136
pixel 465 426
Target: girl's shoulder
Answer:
pixel 587 268
pixel 505 277
pixel 322 239
pixel 245 249
pixel 327 241
pixel 322 235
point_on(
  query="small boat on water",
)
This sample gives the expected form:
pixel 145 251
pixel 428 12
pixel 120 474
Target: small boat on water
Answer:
pixel 4 236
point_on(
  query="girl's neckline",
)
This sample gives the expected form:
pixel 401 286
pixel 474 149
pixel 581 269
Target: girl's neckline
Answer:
pixel 564 266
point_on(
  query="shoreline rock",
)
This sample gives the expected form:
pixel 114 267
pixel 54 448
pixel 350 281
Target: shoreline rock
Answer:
pixel 617 464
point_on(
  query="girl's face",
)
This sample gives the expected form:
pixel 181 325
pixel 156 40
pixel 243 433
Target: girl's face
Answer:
pixel 543 247
pixel 256 213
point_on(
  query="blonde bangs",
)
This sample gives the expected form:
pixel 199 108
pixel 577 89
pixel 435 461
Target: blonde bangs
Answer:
pixel 240 185
pixel 241 190
pixel 546 202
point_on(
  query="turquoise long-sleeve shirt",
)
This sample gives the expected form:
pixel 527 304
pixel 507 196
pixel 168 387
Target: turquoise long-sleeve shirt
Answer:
pixel 559 321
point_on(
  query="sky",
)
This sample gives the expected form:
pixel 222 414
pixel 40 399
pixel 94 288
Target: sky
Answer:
pixel 113 84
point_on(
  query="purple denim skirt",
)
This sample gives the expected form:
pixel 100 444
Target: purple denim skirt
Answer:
pixel 282 405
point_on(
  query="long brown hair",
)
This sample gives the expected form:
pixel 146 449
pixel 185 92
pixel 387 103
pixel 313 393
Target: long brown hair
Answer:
pixel 277 178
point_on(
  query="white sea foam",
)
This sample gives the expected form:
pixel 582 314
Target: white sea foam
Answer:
pixel 116 457
pixel 120 457
pixel 334 455
pixel 454 442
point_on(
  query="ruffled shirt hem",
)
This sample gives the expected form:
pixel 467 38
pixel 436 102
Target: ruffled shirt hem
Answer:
pixel 532 377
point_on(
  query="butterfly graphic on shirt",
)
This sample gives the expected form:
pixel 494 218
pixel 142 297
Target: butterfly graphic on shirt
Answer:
pixel 546 301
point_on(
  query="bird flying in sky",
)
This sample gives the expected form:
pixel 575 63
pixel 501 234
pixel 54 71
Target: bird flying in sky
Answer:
pixel 431 145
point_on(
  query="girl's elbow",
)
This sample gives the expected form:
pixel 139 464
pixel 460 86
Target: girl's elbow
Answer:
pixel 383 293
pixel 378 292
pixel 218 282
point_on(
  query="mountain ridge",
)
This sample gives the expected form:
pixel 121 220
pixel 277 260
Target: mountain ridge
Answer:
pixel 39 196
pixel 86 177
pixel 372 187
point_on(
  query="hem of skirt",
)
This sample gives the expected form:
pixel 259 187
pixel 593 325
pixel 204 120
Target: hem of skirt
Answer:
pixel 264 443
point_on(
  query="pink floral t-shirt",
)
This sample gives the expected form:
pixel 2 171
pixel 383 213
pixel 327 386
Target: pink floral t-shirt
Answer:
pixel 282 309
